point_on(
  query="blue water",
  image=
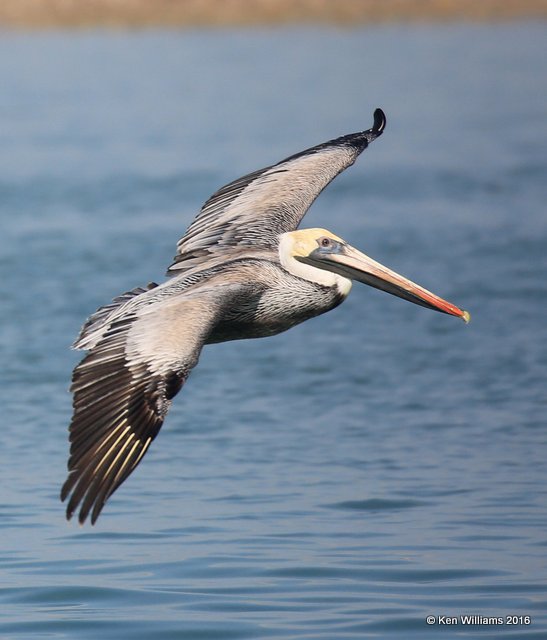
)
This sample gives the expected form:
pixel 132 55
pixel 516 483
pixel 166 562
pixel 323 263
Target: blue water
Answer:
pixel 354 475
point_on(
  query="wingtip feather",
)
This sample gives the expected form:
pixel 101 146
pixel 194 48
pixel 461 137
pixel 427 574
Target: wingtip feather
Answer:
pixel 379 121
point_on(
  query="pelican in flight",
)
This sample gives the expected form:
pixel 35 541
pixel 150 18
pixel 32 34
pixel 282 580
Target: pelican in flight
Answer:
pixel 242 270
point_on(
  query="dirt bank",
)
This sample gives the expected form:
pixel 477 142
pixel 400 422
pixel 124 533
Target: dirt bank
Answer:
pixel 39 14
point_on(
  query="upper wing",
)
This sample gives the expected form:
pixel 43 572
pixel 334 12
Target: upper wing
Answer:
pixel 123 389
pixel 255 209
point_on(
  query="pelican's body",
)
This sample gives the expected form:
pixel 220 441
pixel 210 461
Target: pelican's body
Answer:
pixel 242 270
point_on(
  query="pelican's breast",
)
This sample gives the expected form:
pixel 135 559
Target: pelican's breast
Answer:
pixel 273 301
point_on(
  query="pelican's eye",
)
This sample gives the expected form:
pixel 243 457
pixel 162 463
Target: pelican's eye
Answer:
pixel 325 242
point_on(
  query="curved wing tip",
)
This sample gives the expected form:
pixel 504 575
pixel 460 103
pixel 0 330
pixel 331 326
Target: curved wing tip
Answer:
pixel 379 121
pixel 72 508
pixel 82 516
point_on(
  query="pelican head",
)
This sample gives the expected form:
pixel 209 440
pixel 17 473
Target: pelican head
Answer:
pixel 322 257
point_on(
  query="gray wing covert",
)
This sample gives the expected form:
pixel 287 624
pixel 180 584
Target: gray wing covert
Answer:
pixel 256 208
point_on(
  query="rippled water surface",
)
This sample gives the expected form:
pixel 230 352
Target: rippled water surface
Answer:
pixel 345 479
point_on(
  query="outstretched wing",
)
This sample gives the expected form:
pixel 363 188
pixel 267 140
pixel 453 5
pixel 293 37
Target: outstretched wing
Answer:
pixel 255 209
pixel 123 389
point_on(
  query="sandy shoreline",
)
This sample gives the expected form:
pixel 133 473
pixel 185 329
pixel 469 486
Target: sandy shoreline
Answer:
pixel 44 14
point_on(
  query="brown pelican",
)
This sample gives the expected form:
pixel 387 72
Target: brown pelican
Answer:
pixel 242 270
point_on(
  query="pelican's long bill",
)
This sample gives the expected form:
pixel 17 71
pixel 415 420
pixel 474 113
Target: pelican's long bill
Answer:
pixel 347 261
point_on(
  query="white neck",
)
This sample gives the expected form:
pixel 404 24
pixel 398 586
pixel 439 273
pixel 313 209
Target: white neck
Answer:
pixel 307 271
